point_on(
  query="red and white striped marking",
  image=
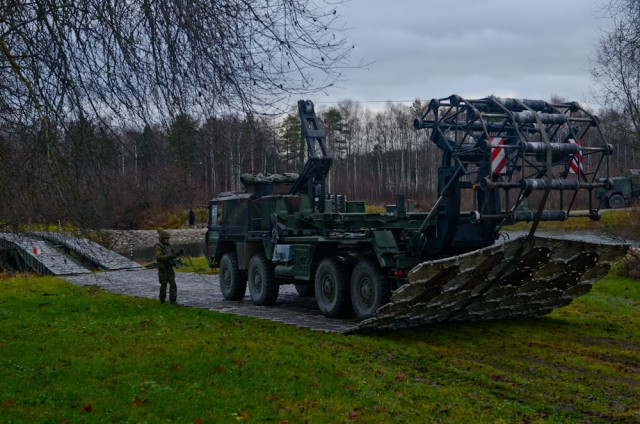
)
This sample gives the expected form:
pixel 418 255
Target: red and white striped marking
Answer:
pixel 575 163
pixel 498 157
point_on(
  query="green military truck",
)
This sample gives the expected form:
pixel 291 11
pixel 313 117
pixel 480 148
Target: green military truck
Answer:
pixel 439 264
pixel 623 191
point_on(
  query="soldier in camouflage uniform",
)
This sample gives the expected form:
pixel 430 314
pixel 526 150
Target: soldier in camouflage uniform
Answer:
pixel 167 260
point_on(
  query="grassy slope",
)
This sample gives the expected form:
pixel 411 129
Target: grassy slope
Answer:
pixel 70 354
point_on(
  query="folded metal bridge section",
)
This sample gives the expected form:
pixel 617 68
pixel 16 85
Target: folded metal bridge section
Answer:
pixel 520 278
pixel 57 254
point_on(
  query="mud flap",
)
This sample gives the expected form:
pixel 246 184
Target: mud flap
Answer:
pixel 517 279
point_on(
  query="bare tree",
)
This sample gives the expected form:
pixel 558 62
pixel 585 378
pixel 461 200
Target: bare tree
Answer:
pixel 132 60
pixel 616 64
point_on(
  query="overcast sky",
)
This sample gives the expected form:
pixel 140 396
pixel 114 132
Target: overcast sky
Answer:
pixel 474 48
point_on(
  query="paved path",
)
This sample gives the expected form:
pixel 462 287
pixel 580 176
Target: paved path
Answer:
pixel 203 291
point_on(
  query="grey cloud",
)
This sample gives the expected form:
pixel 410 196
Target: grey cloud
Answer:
pixel 506 47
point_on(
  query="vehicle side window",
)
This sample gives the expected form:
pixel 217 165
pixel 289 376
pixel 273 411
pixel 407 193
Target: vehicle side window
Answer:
pixel 215 215
pixel 236 213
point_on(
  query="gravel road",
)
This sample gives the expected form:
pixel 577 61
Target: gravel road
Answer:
pixel 203 291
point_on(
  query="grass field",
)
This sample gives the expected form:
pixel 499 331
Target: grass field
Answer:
pixel 79 354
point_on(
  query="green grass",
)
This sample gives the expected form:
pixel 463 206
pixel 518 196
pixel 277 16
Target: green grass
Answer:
pixel 79 354
pixel 197 264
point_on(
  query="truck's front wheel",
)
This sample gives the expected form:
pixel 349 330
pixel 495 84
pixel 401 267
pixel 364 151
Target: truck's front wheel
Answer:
pixel 262 282
pixel 370 288
pixel 233 282
pixel 332 288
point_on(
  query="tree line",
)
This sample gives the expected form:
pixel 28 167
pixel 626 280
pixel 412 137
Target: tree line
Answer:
pixel 92 175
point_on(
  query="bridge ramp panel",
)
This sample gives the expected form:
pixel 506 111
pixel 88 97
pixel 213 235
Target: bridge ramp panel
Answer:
pixel 94 252
pixel 41 256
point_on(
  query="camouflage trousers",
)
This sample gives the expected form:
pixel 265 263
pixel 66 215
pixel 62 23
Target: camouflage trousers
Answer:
pixel 167 277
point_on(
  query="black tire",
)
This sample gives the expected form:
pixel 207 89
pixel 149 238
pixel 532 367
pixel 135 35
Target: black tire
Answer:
pixel 332 288
pixel 233 282
pixel 262 282
pixel 305 290
pixel 616 201
pixel 370 288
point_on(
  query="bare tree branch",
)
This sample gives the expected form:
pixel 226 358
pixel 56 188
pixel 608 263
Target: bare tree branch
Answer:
pixel 130 61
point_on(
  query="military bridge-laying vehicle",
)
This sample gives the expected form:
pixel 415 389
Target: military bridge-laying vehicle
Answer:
pixel 504 161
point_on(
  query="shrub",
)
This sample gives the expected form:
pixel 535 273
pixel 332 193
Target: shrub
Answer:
pixel 629 266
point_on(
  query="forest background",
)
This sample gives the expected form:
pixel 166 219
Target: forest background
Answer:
pixel 159 106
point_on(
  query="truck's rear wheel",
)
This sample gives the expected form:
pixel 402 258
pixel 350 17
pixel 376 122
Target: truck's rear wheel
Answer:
pixel 616 201
pixel 262 282
pixel 233 282
pixel 370 288
pixel 332 288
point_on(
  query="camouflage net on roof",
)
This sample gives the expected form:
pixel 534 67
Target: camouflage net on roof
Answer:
pixel 250 179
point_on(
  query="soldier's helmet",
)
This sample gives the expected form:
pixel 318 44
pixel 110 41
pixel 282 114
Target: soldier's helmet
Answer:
pixel 162 234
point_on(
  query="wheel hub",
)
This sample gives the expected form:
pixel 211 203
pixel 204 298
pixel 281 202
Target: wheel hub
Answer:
pixel 328 288
pixel 366 292
pixel 257 281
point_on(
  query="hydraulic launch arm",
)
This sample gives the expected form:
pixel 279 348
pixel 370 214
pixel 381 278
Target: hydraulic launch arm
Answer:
pixel 316 169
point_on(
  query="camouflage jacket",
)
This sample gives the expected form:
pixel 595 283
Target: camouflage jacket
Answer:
pixel 165 256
